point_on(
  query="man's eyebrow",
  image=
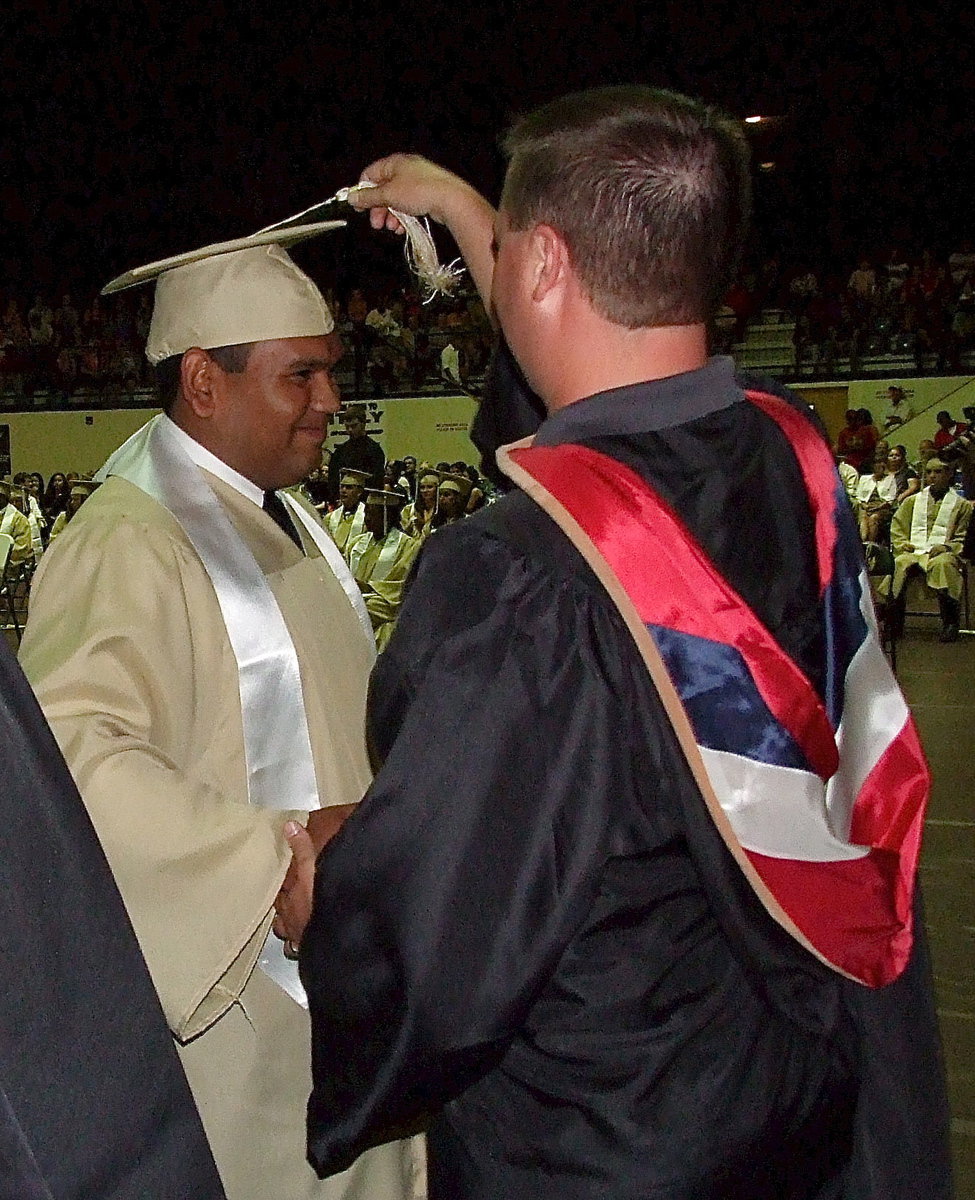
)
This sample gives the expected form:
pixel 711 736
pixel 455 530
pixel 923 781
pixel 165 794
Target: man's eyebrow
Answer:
pixel 315 364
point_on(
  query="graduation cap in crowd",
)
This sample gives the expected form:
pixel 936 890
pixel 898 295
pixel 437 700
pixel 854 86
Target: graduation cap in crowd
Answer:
pixel 451 482
pixel 389 502
pixel 245 290
pixel 84 487
pixel 355 477
pixel 378 498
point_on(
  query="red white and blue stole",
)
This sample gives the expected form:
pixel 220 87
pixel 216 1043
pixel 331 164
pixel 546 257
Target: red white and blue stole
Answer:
pixel 820 799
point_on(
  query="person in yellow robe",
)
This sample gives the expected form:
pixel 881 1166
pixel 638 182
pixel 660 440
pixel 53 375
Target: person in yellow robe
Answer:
pixel 32 511
pixel 15 523
pixel 418 516
pixel 347 521
pixel 380 559
pixel 927 534
pixel 452 498
pixel 201 653
pixel 81 489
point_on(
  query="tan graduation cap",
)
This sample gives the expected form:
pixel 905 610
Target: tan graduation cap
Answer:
pixel 245 290
pixel 456 483
pixel 377 498
pixel 354 476
pixel 85 487
pixel 388 502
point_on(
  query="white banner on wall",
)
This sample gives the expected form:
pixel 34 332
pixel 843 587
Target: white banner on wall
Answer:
pixel 431 428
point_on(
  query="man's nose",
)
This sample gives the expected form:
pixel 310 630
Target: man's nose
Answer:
pixel 326 394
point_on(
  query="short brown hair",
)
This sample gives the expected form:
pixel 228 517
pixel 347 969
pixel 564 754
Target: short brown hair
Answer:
pixel 650 191
pixel 232 359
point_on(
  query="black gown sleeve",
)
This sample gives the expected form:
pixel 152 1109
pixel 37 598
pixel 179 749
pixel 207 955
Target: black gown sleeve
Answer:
pixel 492 690
pixel 93 1100
pixel 508 410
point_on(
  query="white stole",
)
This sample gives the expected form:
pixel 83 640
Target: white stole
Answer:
pixel 335 518
pixel 35 518
pixel 921 539
pixel 277 746
pixel 885 489
pixel 387 555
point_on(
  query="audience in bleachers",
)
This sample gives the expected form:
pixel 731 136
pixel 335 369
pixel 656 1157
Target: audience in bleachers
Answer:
pixel 922 308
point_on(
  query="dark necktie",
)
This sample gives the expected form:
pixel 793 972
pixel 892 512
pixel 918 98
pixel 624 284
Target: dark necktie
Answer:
pixel 274 507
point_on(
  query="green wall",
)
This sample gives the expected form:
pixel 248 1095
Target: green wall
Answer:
pixel 432 428
pixel 69 441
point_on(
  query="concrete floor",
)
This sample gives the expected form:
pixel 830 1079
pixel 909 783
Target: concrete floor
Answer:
pixel 939 682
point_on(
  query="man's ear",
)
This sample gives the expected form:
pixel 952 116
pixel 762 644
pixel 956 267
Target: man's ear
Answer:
pixel 197 376
pixel 549 262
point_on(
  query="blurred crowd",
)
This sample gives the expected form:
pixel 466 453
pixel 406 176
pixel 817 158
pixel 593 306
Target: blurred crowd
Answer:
pixel 906 305
pixel 921 307
pixel 395 344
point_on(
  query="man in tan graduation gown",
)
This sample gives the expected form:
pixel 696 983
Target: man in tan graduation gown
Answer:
pixel 927 533
pixel 348 520
pixel 15 523
pixel 129 650
pixel 380 559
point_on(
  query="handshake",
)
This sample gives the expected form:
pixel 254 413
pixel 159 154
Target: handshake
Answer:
pixel 292 907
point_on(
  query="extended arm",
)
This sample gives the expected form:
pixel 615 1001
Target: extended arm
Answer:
pixel 415 185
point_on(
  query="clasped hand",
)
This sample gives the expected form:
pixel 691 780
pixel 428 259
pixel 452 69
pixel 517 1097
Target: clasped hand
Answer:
pixel 294 901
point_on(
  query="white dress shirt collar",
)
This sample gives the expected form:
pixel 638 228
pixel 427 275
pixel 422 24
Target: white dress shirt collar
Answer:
pixel 216 466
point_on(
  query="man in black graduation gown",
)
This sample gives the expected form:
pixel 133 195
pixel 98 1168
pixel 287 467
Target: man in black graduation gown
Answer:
pixel 93 1101
pixel 553 963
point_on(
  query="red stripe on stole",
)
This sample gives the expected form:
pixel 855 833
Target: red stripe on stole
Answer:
pixel 818 472
pixel 890 804
pixel 644 542
pixel 858 913
pixel 854 912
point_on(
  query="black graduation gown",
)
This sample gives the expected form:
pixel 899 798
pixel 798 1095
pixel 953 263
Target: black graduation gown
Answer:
pixel 551 959
pixel 93 1101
